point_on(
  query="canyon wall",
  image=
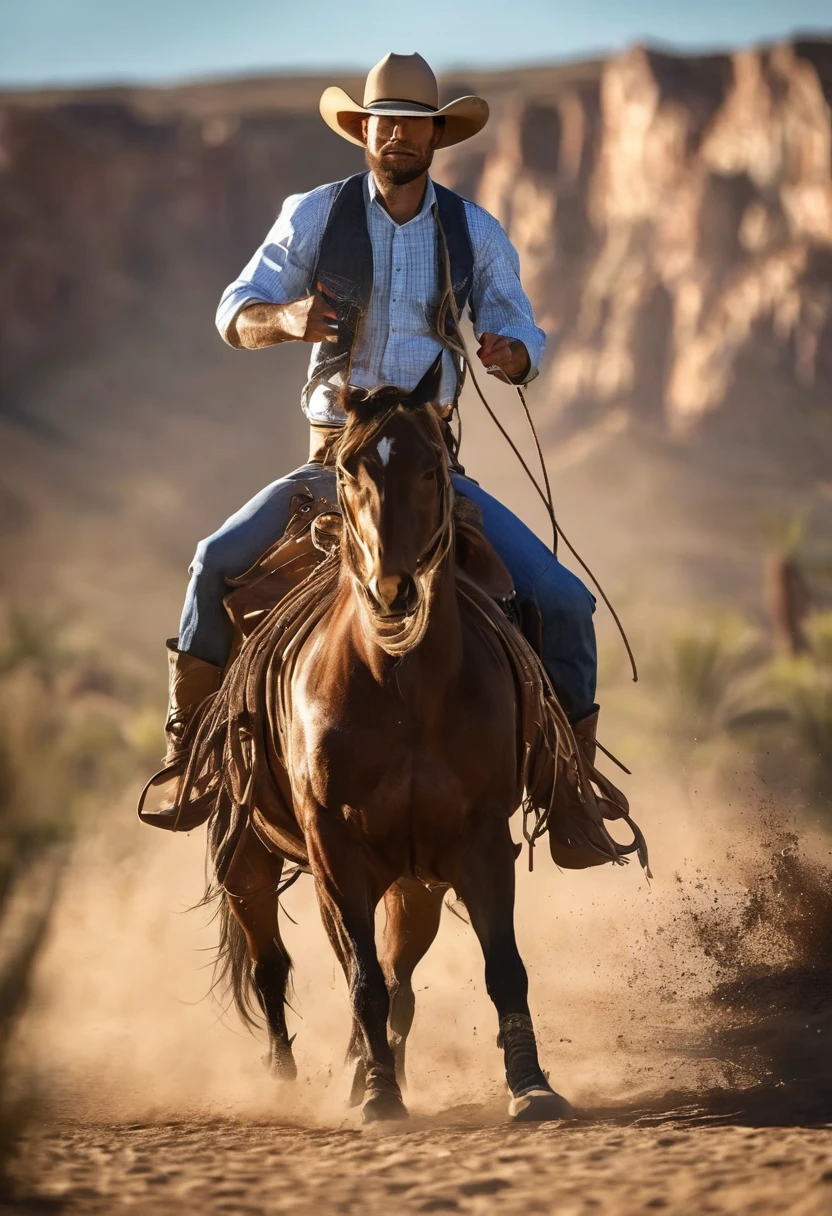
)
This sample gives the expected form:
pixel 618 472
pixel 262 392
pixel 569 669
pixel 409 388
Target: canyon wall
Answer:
pixel 674 222
pixel 673 217
pixel 676 216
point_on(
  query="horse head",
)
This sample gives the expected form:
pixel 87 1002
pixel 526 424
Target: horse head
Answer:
pixel 395 496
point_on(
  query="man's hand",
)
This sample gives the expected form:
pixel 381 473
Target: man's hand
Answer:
pixel 321 319
pixel 312 319
pixel 504 355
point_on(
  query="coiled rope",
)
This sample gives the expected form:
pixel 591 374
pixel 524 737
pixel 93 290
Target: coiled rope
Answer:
pixel 454 339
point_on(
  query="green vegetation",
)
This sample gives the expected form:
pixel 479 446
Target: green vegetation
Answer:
pixel 721 684
pixel 802 688
pixel 708 677
pixel 66 750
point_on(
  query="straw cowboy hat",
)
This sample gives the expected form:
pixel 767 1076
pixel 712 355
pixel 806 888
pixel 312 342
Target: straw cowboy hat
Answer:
pixel 404 86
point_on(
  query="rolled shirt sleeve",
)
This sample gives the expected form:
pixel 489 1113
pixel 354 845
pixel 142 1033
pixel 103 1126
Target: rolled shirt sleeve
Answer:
pixel 282 268
pixel 500 304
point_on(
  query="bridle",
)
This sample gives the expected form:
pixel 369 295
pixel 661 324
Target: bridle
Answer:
pixel 397 636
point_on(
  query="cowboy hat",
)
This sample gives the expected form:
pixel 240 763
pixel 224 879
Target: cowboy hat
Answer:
pixel 403 86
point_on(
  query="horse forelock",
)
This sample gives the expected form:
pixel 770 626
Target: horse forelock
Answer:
pixel 368 418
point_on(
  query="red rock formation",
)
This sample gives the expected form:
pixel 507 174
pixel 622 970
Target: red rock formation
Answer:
pixel 673 216
pixel 675 219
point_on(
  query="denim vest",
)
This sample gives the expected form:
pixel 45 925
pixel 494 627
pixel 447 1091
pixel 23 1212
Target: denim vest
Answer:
pixel 345 268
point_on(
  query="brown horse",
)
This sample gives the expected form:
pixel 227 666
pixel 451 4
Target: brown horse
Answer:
pixel 394 737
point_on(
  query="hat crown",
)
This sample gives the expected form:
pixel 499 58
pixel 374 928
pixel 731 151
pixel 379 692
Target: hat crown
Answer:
pixel 403 78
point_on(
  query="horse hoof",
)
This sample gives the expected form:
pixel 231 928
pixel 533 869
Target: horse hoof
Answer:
pixel 539 1106
pixel 285 1070
pixel 282 1068
pixel 383 1108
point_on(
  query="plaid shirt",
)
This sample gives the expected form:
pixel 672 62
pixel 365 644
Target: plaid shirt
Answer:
pixel 395 346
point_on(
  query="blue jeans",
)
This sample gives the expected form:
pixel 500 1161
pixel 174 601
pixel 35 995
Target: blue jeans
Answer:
pixel 565 604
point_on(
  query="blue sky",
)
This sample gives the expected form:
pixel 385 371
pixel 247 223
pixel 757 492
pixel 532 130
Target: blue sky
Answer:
pixel 100 41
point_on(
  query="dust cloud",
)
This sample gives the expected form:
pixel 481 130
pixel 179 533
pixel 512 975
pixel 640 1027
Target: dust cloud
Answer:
pixel 643 993
pixel 638 1001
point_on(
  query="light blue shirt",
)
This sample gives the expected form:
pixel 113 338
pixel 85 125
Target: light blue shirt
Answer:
pixel 395 345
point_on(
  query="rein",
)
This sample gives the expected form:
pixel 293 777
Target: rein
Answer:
pixel 455 341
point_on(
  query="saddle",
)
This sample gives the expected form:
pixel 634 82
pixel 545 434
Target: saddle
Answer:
pixel 314 528
pixel 312 534
pixel 287 572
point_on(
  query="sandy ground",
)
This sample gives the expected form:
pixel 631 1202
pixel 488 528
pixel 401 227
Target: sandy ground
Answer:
pixel 689 1021
pixel 254 1168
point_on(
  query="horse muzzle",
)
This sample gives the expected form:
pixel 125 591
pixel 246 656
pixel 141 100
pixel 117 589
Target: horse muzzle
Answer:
pixel 394 595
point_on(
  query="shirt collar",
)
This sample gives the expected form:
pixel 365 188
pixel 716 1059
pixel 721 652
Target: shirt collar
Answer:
pixel 427 201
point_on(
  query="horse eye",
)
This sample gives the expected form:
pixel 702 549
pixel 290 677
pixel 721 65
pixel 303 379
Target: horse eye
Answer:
pixel 430 475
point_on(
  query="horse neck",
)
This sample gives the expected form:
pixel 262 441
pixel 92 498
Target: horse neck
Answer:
pixel 442 641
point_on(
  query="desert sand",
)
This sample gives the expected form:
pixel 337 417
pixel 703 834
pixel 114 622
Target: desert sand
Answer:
pixel 688 1020
pixel 677 1163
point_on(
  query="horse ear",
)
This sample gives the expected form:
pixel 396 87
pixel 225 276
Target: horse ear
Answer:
pixel 351 399
pixel 427 390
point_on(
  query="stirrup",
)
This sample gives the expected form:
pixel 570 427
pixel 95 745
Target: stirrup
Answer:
pixel 176 817
pixel 160 778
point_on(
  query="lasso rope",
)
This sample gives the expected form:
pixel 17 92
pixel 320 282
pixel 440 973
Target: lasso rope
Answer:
pixel 455 341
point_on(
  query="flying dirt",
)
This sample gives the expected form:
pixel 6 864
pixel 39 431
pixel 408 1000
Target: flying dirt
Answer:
pixel 688 1020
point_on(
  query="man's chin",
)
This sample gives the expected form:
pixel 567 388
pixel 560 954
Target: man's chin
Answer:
pixel 398 170
pixel 399 175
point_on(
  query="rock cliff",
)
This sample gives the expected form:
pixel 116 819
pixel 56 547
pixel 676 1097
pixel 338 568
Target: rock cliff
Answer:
pixel 673 217
pixel 674 222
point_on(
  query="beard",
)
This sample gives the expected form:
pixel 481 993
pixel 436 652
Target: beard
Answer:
pixel 398 173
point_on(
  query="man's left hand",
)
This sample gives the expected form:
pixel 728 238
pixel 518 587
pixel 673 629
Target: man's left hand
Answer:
pixel 507 355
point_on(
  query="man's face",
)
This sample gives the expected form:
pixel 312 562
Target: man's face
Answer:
pixel 398 150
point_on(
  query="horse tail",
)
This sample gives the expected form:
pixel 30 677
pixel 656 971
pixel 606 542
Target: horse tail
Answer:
pixel 234 974
pixel 233 971
pixel 232 968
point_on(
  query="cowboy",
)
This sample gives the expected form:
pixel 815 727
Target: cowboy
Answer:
pixel 356 269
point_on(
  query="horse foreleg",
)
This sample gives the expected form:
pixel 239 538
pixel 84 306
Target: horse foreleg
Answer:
pixel 251 887
pixel 485 883
pixel 413 915
pixel 348 890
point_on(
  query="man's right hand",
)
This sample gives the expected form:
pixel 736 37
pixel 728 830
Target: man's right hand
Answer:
pixel 321 317
pixel 312 319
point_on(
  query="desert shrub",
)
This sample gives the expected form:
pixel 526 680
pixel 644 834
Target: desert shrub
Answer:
pixel 802 688
pixel 65 752
pixel 722 696
pixel 709 679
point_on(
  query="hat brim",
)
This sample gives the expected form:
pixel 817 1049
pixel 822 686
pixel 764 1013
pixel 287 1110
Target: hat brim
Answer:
pixel 463 117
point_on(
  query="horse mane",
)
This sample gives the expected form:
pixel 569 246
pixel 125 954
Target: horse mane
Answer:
pixel 366 403
pixel 368 412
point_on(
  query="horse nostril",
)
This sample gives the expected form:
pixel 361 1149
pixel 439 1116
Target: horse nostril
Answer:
pixel 408 594
pixel 395 594
pixel 384 590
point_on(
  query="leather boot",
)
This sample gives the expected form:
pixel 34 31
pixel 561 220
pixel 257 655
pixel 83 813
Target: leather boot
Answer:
pixel 190 681
pixel 567 856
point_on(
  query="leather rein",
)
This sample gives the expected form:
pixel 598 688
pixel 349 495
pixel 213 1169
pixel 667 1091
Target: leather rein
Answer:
pixel 454 339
